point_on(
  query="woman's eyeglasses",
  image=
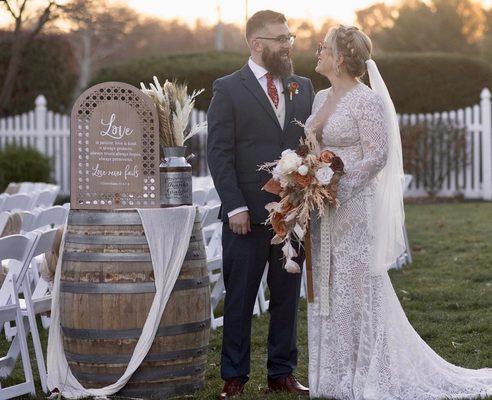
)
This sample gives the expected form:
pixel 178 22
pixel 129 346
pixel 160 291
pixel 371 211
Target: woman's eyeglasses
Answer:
pixel 283 39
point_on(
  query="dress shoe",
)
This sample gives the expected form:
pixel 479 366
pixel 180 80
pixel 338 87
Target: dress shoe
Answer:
pixel 287 384
pixel 232 387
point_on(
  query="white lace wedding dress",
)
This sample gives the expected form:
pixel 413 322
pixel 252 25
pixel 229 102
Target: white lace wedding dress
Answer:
pixel 361 345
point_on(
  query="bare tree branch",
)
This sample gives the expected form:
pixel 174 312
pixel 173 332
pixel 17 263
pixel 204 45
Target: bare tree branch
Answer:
pixel 10 10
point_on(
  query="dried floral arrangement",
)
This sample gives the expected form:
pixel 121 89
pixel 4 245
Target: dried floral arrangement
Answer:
pixel 174 106
pixel 306 180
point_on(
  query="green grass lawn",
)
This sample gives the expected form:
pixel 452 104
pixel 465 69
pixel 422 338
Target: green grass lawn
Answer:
pixel 446 293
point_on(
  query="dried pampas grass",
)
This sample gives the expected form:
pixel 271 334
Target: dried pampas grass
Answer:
pixel 174 107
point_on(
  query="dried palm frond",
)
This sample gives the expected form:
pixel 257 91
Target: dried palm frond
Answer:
pixel 174 107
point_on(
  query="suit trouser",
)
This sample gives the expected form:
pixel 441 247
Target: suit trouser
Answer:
pixel 244 261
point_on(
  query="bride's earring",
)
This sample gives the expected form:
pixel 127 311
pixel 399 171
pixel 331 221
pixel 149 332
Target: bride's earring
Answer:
pixel 337 70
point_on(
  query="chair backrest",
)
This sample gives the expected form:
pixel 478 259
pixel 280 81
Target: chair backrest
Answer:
pixel 212 197
pixel 26 187
pixel 52 216
pixel 202 182
pixel 19 201
pixel 4 217
pixel 408 181
pixel 210 214
pixel 199 196
pixel 45 241
pixel 28 218
pixel 46 198
pixel 19 248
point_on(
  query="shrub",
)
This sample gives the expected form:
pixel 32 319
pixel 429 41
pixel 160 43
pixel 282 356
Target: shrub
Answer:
pixel 434 151
pixel 23 164
pixel 47 68
pixel 418 82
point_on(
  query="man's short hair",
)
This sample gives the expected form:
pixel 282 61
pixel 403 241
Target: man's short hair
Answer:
pixel 260 19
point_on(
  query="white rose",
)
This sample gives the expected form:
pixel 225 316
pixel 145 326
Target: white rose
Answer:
pixel 288 151
pixel 289 163
pixel 303 170
pixel 324 175
pixel 276 174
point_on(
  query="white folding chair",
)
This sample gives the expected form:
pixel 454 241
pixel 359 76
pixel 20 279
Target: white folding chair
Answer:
pixel 19 248
pixel 202 182
pixel 20 201
pixel 46 198
pixel 38 302
pixel 26 187
pixel 212 197
pixel 49 217
pixel 263 301
pixel 28 218
pixel 199 196
pixel 406 256
pixel 4 217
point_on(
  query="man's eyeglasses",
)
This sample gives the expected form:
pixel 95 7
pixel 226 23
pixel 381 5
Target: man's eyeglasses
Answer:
pixel 283 39
pixel 321 47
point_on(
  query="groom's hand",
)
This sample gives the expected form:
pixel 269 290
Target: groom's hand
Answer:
pixel 240 223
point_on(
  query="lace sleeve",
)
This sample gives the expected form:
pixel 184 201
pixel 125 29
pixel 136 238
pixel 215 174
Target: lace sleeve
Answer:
pixel 369 114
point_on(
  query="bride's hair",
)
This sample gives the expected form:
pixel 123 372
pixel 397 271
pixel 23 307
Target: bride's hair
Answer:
pixel 353 44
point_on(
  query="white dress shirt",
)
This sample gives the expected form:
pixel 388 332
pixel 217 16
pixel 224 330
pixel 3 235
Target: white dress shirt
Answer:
pixel 260 74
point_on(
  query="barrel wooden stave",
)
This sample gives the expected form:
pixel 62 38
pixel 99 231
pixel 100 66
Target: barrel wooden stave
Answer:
pixel 98 348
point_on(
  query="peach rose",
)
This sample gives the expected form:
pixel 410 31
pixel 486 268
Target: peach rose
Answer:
pixel 272 186
pixel 278 224
pixel 326 156
pixel 302 181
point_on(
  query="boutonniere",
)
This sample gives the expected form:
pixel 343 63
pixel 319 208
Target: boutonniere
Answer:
pixel 293 88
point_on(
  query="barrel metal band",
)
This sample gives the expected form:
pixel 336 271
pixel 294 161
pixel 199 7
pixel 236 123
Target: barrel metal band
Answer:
pixel 162 390
pixel 105 239
pixel 144 375
pixel 108 334
pixel 128 288
pixel 125 358
pixel 106 257
pixel 116 218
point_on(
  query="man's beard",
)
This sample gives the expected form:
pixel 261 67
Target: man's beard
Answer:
pixel 274 63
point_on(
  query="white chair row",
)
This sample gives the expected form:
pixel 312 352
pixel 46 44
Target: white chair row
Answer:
pixel 40 220
pixel 28 201
pixel 20 250
pixel 30 187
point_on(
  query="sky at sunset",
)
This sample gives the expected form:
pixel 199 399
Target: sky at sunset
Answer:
pixel 235 10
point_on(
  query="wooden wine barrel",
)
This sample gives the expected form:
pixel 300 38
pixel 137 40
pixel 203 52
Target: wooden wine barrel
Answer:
pixel 107 288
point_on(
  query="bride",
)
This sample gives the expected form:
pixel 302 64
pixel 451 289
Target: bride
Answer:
pixel 361 345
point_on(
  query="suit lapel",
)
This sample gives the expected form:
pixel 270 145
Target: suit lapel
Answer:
pixel 289 104
pixel 251 83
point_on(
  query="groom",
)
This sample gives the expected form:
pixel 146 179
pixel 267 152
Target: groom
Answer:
pixel 250 123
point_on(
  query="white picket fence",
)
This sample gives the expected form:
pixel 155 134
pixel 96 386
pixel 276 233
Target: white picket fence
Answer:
pixel 49 132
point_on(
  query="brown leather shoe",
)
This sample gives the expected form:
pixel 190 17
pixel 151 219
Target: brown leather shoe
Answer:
pixel 232 387
pixel 288 384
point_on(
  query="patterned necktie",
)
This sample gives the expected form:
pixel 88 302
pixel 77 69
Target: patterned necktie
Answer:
pixel 272 89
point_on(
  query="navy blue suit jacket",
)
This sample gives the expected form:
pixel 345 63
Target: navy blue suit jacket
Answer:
pixel 244 132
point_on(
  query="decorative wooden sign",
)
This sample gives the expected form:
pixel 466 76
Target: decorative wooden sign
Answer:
pixel 115 149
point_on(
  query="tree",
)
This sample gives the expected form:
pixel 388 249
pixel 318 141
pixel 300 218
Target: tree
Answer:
pixel 26 27
pixel 376 17
pixel 438 25
pixel 98 33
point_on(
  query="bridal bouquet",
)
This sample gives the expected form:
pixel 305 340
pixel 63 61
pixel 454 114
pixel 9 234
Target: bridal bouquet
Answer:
pixel 174 106
pixel 306 180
